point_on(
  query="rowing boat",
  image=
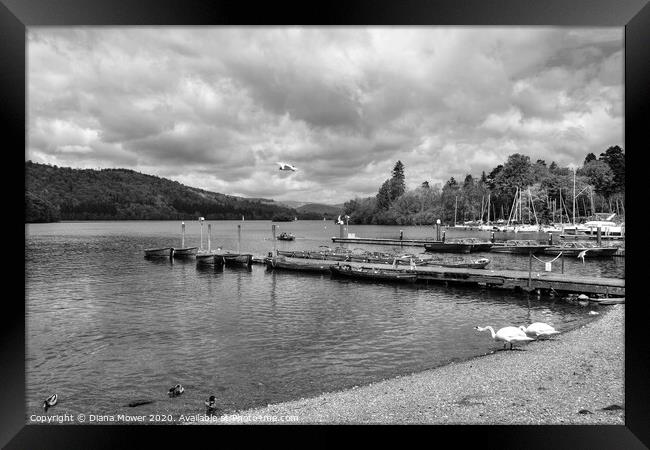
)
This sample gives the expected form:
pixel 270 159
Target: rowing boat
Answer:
pixel 368 273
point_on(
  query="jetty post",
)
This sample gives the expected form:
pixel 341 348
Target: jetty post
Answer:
pixel 598 236
pixel 239 238
pixel 443 236
pixel 273 232
pixel 550 239
pixel 562 261
pixel 492 237
pixel 438 229
pixel 209 234
pixel 201 219
pixel 530 265
pixel 182 234
pixel 341 231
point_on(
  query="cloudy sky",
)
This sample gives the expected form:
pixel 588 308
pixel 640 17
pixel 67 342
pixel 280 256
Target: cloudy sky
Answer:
pixel 217 107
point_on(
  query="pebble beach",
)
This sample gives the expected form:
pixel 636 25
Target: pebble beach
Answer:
pixel 575 378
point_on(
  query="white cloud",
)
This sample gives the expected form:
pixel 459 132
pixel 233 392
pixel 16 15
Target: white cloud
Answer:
pixel 215 107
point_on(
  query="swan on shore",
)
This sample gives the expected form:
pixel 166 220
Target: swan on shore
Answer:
pixel 509 335
pixel 539 330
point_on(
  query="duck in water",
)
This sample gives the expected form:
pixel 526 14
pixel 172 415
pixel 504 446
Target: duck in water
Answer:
pixel 49 402
pixel 176 391
pixel 211 406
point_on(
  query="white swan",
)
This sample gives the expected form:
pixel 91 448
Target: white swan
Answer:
pixel 285 166
pixel 509 335
pixel 539 330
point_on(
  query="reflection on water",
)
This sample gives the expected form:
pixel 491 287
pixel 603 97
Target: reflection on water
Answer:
pixel 106 326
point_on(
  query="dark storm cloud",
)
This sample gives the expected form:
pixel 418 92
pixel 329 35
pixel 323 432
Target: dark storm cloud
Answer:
pixel 216 107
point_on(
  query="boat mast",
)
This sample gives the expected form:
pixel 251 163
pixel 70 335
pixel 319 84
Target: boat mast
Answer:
pixel 488 208
pixel 455 211
pixel 574 196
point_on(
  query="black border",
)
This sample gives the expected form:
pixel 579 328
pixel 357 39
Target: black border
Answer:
pixel 16 15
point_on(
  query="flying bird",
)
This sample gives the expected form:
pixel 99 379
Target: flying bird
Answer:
pixel 285 166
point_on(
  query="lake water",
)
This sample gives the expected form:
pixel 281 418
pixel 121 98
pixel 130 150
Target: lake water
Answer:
pixel 105 326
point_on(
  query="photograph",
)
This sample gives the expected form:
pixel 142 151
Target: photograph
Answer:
pixel 324 225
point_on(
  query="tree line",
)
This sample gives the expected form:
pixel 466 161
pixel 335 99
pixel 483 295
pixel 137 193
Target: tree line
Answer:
pixel 539 192
pixel 62 193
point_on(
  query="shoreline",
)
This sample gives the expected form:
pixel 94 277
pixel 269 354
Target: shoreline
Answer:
pixel 566 380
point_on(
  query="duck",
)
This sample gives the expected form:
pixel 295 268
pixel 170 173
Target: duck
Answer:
pixel 539 330
pixel 211 405
pixel 509 335
pixel 50 401
pixel 176 391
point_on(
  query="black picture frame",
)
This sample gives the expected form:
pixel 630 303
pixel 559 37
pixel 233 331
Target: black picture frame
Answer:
pixel 634 15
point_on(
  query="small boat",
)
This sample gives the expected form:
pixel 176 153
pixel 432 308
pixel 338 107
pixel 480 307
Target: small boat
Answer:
pixel 165 252
pixel 282 263
pixel 476 245
pixel 522 247
pixel 209 259
pixel 575 248
pixel 286 237
pixel 237 259
pixel 187 252
pixel 373 274
pixel 448 247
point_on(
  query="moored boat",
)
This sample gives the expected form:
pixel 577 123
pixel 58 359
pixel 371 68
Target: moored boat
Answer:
pixel 280 262
pixel 575 248
pixel 164 252
pixel 187 252
pixel 237 259
pixel 448 247
pixel 476 245
pixel 373 273
pixel 518 246
pixel 209 259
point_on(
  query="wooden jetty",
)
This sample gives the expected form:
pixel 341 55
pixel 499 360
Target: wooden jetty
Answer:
pixel 506 279
pixel 384 241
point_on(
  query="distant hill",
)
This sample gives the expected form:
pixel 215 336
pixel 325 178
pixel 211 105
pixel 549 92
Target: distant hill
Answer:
pixel 61 193
pixel 314 210
pixel 328 211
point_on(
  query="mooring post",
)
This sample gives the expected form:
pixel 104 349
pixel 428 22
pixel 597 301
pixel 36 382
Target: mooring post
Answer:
pixel 443 236
pixel 530 265
pixel 183 234
pixel 492 237
pixel 273 232
pixel 550 239
pixel 598 236
pixel 401 236
pixel 238 238
pixel 209 235
pixel 341 231
pixel 562 262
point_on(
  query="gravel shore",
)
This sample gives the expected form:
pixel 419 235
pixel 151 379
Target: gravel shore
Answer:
pixel 567 380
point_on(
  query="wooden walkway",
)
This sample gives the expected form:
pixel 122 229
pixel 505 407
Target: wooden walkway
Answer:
pixel 507 279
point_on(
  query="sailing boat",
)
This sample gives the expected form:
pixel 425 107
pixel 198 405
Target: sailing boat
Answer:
pixel 185 252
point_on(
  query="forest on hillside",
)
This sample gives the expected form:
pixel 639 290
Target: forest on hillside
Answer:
pixel 546 191
pixel 61 193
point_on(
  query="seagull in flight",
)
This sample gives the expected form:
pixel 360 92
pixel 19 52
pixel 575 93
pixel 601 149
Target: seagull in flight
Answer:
pixel 285 166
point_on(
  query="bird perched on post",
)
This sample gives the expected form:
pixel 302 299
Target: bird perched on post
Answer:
pixel 50 401
pixel 175 391
pixel 211 406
